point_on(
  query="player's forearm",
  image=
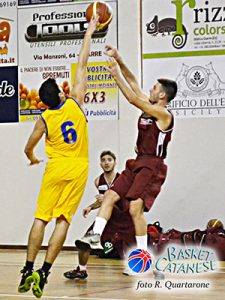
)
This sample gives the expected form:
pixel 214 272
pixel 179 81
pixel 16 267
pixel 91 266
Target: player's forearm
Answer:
pixel 85 50
pixel 30 155
pixel 127 92
pixel 95 205
pixel 128 75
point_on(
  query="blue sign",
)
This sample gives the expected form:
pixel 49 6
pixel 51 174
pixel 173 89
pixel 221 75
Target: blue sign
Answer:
pixel 9 95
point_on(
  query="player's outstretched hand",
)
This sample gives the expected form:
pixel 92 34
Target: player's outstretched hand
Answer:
pixel 113 67
pixel 112 52
pixel 93 25
pixel 86 211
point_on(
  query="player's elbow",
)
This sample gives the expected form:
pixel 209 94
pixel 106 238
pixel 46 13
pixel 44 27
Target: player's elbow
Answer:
pixel 27 150
pixel 132 99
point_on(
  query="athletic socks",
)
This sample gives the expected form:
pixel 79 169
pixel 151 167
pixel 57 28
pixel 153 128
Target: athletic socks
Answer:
pixel 29 265
pixel 82 268
pixel 46 267
pixel 99 225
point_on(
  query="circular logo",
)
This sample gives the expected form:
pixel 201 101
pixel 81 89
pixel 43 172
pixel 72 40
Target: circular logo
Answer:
pixel 197 78
pixel 139 261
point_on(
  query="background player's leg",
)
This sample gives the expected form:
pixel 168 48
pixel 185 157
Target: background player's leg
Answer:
pixel 80 272
pixel 83 256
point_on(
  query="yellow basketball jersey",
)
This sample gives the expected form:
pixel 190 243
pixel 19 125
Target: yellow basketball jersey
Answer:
pixel 66 131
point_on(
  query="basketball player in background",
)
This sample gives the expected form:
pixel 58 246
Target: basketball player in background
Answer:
pixel 141 181
pixel 64 180
pixel 118 235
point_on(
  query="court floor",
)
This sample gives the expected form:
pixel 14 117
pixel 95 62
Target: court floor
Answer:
pixel 106 281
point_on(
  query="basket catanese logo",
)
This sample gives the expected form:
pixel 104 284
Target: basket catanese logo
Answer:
pixel 175 260
pixel 59 26
pixel 187 260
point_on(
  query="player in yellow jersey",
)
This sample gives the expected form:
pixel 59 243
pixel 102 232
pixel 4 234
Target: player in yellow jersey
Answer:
pixel 65 176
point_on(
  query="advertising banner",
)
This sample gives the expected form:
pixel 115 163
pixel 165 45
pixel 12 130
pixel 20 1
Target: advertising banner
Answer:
pixel 101 100
pixel 36 2
pixel 185 41
pixel 55 34
pixel 8 94
pixel 8 33
pixel 30 79
pixel 49 45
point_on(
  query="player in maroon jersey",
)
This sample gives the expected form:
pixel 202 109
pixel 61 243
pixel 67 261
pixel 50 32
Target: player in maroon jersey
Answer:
pixel 141 181
pixel 116 235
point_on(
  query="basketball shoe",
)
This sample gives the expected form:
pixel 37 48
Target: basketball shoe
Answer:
pixel 89 241
pixel 26 280
pixel 39 279
pixel 76 274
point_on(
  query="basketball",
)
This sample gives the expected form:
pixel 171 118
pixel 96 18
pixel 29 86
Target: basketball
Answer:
pixel 103 10
pixel 139 261
pixel 215 223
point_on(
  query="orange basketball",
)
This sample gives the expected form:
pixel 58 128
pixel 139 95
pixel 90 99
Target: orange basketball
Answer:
pixel 103 10
pixel 214 223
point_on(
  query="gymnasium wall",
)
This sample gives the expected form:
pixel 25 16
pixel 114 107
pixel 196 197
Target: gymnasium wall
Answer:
pixel 192 194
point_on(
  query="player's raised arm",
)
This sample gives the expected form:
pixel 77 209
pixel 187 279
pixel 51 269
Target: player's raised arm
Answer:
pixel 152 109
pixel 80 83
pixel 128 75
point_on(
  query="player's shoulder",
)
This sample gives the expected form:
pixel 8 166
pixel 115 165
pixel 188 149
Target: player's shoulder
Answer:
pixel 96 181
pixel 71 101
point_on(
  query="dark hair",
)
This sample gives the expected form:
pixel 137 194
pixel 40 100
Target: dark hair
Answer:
pixel 49 93
pixel 169 87
pixel 107 152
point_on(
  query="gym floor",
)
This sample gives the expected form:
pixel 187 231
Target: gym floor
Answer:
pixel 105 281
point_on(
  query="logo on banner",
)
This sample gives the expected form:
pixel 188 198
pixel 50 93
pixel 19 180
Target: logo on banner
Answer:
pixel 6 90
pixel 199 81
pixel 201 92
pixel 5 30
pixel 139 261
pixel 55 26
pixel 9 94
pixel 171 26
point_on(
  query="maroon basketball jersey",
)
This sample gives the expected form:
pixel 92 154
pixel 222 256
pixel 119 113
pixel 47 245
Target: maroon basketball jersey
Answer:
pixel 103 185
pixel 151 140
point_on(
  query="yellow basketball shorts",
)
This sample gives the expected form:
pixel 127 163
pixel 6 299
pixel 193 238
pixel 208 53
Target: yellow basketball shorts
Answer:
pixel 62 187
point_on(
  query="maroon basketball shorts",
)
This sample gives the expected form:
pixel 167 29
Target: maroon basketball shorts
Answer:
pixel 142 178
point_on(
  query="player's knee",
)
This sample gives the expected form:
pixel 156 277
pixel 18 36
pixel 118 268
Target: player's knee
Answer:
pixel 135 209
pixel 110 197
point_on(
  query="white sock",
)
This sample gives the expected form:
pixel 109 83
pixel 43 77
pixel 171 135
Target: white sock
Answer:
pixel 99 225
pixel 142 242
pixel 82 268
